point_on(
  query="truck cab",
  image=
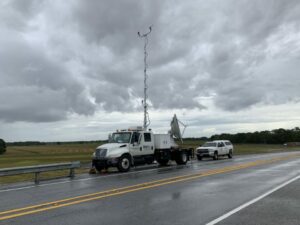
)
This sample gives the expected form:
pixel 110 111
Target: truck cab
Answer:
pixel 125 148
pixel 135 145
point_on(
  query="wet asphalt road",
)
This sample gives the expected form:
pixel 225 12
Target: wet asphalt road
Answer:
pixel 281 207
pixel 218 187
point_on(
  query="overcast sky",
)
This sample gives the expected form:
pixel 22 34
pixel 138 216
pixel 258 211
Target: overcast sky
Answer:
pixel 73 69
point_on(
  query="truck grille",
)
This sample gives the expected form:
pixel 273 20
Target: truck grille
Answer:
pixel 203 151
pixel 101 153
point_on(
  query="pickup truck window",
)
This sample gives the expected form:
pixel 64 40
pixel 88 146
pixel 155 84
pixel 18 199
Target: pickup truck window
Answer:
pixel 210 144
pixel 221 144
pixel 147 137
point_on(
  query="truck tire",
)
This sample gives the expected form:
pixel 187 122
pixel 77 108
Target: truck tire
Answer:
pixel 182 158
pixel 216 156
pixel 124 163
pixel 230 154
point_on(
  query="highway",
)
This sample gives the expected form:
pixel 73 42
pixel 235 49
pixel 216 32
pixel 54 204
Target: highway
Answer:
pixel 251 189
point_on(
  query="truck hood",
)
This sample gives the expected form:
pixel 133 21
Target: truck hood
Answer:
pixel 115 149
pixel 109 146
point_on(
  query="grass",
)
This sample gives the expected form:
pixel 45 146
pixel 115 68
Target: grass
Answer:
pixel 33 155
pixel 17 156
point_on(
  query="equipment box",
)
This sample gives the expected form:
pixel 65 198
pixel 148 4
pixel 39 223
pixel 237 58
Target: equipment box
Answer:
pixel 162 141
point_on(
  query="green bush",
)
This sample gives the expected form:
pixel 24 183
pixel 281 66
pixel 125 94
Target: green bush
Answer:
pixel 2 146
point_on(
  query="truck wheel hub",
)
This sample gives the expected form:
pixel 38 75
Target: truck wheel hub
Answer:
pixel 125 163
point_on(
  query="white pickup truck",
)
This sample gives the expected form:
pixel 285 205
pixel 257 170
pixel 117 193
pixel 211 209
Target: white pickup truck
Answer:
pixel 215 149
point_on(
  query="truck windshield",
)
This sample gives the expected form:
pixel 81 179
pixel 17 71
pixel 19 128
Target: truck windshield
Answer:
pixel 210 144
pixel 123 137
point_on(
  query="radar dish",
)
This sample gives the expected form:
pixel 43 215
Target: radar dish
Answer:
pixel 175 129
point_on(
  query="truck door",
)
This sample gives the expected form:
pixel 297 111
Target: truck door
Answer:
pixel 135 144
pixel 221 147
pixel 148 143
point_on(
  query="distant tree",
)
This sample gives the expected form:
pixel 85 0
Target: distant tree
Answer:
pixel 2 146
pixel 277 136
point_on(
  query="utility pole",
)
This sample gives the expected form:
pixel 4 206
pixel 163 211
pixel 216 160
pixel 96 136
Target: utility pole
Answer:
pixel 145 105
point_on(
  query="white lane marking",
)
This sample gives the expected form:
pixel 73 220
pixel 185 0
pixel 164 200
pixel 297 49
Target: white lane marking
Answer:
pixel 226 215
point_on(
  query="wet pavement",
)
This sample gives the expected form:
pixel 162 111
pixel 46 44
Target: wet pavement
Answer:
pixel 193 194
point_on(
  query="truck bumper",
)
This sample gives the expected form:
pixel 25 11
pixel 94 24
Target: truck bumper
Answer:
pixel 205 154
pixel 105 163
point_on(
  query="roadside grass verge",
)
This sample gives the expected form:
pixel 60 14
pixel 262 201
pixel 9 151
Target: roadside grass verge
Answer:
pixel 43 176
pixel 44 154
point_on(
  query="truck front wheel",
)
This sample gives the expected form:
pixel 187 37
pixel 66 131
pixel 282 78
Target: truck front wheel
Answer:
pixel 182 158
pixel 216 156
pixel 124 163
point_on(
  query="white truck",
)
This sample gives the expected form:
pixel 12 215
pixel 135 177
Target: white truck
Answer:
pixel 134 146
pixel 215 149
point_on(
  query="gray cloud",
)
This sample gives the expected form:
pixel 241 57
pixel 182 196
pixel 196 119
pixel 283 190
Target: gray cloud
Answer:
pixel 59 58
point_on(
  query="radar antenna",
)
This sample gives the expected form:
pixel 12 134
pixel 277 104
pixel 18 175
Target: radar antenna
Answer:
pixel 144 102
pixel 175 129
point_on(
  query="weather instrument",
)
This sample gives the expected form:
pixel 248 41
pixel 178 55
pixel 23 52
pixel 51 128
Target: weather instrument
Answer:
pixel 145 104
pixel 175 129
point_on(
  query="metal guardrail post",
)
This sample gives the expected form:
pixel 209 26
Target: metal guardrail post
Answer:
pixel 37 178
pixel 72 173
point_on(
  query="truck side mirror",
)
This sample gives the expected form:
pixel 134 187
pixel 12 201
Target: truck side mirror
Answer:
pixel 140 138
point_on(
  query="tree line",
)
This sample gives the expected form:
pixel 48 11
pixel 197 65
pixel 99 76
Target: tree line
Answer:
pixel 277 136
pixel 2 146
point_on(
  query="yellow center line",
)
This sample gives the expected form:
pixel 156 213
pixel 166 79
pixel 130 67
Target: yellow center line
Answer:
pixel 133 188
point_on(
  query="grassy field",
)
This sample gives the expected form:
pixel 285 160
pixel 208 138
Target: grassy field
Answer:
pixel 34 155
pixel 17 156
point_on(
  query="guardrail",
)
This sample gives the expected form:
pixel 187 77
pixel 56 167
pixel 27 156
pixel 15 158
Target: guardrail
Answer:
pixel 40 168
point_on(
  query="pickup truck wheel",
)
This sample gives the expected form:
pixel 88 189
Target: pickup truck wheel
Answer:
pixel 230 154
pixel 182 158
pixel 216 156
pixel 199 157
pixel 124 163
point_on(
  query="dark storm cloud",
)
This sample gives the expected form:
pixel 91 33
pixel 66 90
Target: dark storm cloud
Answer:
pixel 58 58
